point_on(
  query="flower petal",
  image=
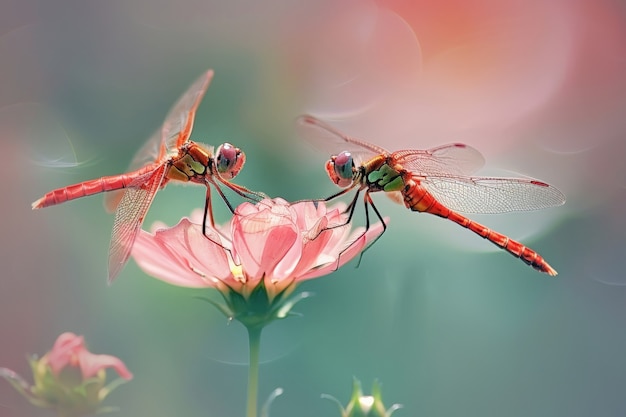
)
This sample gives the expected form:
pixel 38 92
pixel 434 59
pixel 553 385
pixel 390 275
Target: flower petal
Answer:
pixel 262 239
pixel 350 252
pixel 64 350
pixel 182 256
pixel 314 248
pixel 91 364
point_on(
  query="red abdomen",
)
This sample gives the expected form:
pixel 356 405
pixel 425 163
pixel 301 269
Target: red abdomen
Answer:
pixel 419 199
pixel 114 182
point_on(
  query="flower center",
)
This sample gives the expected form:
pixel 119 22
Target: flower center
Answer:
pixel 237 271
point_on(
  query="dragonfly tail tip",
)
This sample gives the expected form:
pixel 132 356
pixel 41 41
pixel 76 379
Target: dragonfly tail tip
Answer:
pixel 551 271
pixel 37 204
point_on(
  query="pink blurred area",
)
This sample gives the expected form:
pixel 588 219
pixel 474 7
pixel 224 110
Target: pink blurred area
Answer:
pixel 30 293
pixel 538 87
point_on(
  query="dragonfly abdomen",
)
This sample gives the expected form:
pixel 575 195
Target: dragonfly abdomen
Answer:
pixel 419 199
pixel 515 248
pixel 86 188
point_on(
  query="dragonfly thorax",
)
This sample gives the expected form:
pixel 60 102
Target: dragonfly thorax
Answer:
pixel 341 170
pixel 382 177
pixel 190 164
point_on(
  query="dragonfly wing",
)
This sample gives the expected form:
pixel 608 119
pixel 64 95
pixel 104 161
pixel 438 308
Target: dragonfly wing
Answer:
pixel 486 195
pixel 112 199
pixel 129 216
pixel 330 140
pixel 179 121
pixel 176 128
pixel 451 159
pixel 175 131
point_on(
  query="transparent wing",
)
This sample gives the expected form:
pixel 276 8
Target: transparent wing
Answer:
pixel 451 159
pixel 176 128
pixel 330 140
pixel 487 195
pixel 129 216
pixel 175 131
pixel 179 122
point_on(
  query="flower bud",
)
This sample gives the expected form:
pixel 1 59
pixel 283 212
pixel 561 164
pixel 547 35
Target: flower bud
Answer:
pixel 361 405
pixel 69 378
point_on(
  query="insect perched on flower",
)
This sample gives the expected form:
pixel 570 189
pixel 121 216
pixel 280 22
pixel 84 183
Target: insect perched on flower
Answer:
pixel 436 181
pixel 258 259
pixel 168 155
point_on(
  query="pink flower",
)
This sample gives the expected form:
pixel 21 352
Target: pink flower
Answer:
pixel 69 351
pixel 272 245
pixel 69 378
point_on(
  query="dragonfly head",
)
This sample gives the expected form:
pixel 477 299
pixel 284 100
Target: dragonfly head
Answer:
pixel 229 160
pixel 340 169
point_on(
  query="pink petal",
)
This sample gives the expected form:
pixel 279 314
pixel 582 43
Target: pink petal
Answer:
pixel 182 256
pixel 313 248
pixel 261 240
pixel 64 350
pixel 308 214
pixel 205 254
pixel 340 232
pixel 91 364
pixel 246 209
pixel 286 266
pixel 352 250
pixel 70 350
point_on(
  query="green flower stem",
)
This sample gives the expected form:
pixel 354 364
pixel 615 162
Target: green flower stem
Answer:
pixel 254 339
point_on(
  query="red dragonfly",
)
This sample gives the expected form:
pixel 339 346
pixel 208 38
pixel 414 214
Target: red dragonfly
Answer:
pixel 168 155
pixel 438 181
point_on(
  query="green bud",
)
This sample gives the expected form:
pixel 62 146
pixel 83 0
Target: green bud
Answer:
pixel 361 405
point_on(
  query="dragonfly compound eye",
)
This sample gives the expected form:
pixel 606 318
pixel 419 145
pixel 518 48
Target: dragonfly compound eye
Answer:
pixel 340 169
pixel 229 160
pixel 344 165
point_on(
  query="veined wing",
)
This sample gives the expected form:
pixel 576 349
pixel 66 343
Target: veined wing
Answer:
pixel 328 139
pixel 129 216
pixel 175 131
pixel 490 195
pixel 451 159
pixel 176 128
pixel 179 122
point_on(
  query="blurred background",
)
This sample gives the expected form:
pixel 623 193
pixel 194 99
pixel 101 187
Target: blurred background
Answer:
pixel 451 325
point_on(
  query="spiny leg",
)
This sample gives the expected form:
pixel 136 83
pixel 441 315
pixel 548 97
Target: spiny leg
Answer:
pixel 208 210
pixel 367 199
pixel 221 193
pixel 350 208
pixel 243 191
pixel 339 194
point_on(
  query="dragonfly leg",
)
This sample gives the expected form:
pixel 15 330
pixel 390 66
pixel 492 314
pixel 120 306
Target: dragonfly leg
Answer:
pixel 367 201
pixel 340 193
pixel 221 193
pixel 243 191
pixel 208 210
pixel 350 208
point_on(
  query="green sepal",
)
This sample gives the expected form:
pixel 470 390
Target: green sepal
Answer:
pixel 107 389
pixel 22 387
pixel 223 308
